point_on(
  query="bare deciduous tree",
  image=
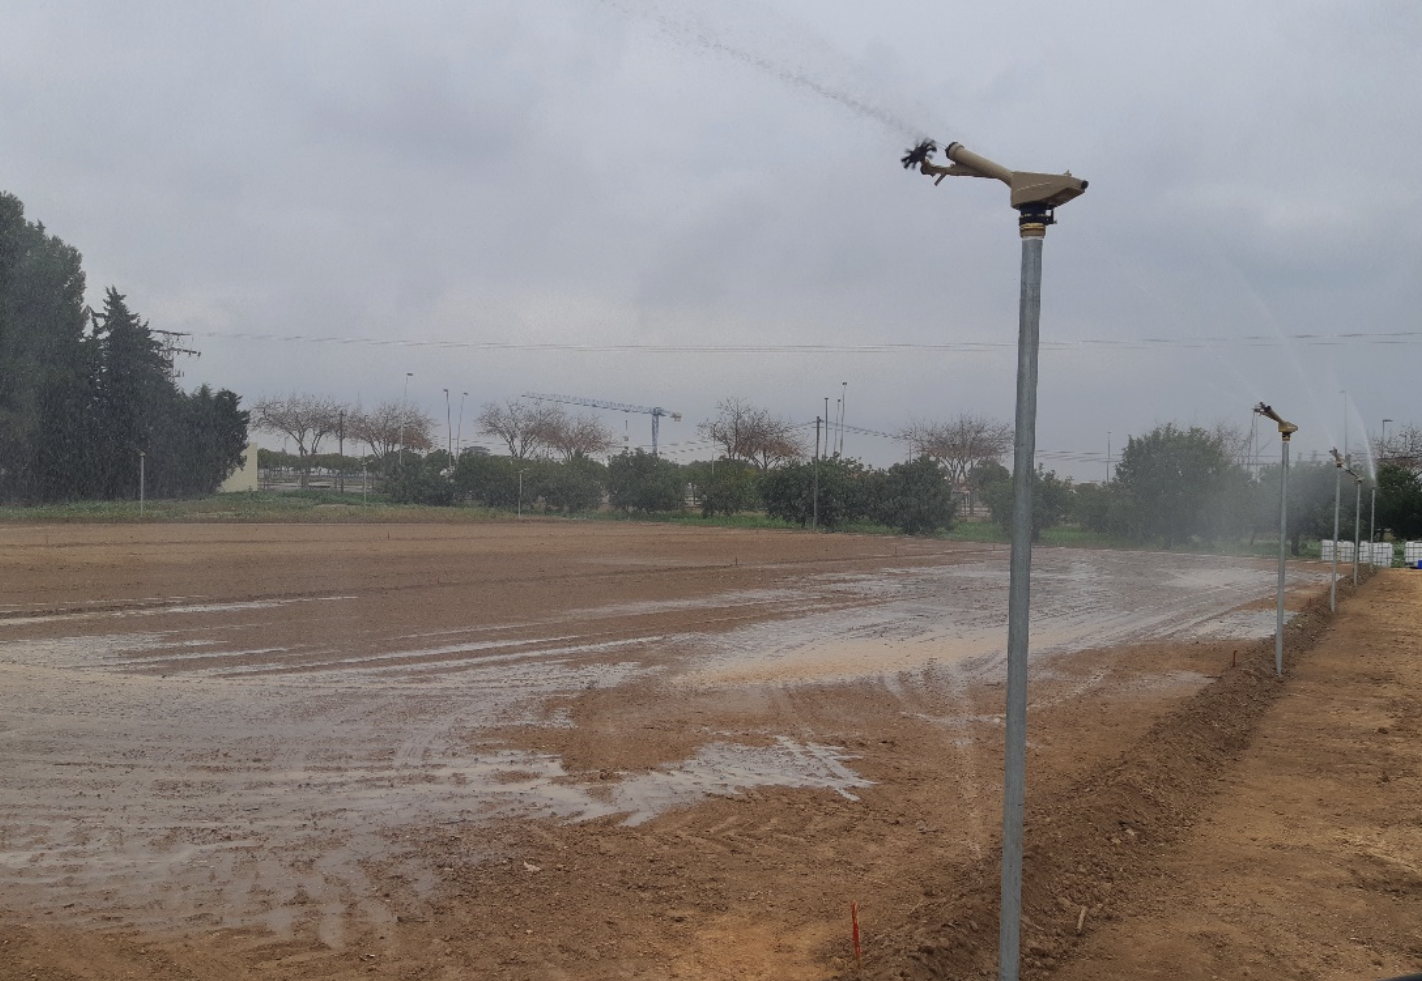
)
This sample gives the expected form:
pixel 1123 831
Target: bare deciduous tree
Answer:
pixel 1403 448
pixel 575 436
pixel 307 419
pixel 961 444
pixel 522 426
pixel 747 432
pixel 391 425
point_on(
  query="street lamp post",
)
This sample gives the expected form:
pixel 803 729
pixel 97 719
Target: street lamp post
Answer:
pixel 1035 197
pixel 1286 430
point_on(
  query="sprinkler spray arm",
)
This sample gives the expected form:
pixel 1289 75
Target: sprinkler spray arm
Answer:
pixel 1032 193
pixel 1286 428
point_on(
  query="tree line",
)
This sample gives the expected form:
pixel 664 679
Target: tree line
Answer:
pixel 1173 486
pixel 89 399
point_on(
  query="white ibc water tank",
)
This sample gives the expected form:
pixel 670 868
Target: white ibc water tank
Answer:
pixel 1345 551
pixel 1412 553
pixel 1382 554
pixel 1325 550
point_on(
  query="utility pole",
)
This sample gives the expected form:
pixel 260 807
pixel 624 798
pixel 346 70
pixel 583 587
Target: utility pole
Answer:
pixel 404 417
pixel 142 479
pixel 843 408
pixel 448 430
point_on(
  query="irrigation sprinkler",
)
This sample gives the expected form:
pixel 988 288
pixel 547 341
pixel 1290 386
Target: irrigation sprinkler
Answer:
pixel 1357 521
pixel 1286 430
pixel 1035 197
pixel 1337 491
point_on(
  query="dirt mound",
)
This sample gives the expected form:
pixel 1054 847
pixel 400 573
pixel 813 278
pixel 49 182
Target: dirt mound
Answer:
pixel 1091 852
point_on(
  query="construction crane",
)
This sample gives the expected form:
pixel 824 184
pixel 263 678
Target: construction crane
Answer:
pixel 656 412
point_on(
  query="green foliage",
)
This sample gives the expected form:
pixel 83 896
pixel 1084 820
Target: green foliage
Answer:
pixel 1092 507
pixel 420 480
pixel 77 409
pixel 638 481
pixel 829 492
pixel 914 498
pixel 726 486
pixel 1173 484
pixel 489 480
pixel 570 486
pixel 1052 500
pixel 1400 501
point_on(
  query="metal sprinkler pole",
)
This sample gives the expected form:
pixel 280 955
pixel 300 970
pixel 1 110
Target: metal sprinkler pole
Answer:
pixel 1337 489
pixel 1283 550
pixel 1035 196
pixel 1373 516
pixel 1019 598
pixel 1286 430
pixel 815 505
pixel 1357 524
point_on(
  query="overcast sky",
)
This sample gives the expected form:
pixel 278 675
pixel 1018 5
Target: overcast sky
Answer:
pixel 591 198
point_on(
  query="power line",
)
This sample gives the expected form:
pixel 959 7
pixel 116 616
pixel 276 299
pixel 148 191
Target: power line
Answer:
pixel 956 347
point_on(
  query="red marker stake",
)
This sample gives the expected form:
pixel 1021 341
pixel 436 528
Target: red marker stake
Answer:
pixel 854 919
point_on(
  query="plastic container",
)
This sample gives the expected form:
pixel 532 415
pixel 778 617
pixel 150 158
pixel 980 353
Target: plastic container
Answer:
pixel 1382 555
pixel 1411 553
pixel 1325 550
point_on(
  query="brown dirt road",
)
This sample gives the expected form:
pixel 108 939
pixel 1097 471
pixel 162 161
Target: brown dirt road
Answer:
pixel 602 751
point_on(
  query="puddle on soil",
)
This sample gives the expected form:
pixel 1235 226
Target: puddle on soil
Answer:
pixel 1081 599
pixel 256 779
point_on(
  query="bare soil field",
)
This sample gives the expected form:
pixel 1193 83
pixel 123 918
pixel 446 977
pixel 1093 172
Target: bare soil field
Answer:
pixel 554 750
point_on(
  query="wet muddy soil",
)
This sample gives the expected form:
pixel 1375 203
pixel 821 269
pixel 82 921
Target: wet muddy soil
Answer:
pixel 556 750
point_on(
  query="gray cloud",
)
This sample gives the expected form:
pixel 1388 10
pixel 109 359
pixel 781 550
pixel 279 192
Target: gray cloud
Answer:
pixel 672 172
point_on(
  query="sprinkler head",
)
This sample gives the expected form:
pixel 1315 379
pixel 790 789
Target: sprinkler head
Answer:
pixel 1031 192
pixel 1286 428
pixel 918 155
